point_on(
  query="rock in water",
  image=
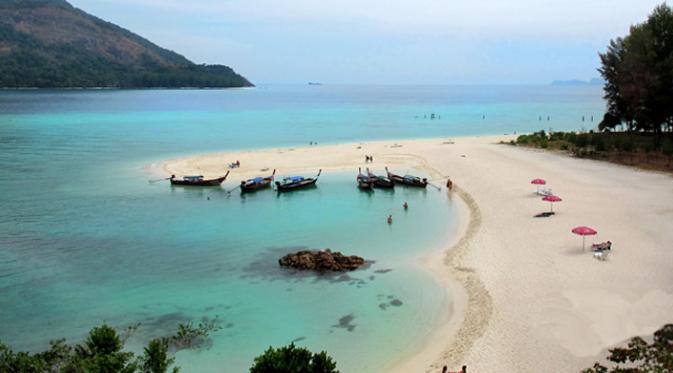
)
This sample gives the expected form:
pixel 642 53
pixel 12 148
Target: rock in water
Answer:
pixel 321 260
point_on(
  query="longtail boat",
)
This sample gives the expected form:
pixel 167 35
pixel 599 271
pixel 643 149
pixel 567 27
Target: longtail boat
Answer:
pixel 409 180
pixel 257 183
pixel 197 180
pixel 364 181
pixel 296 182
pixel 380 181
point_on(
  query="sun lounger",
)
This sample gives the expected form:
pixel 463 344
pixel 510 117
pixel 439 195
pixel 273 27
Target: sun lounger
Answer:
pixel 545 192
pixel 603 246
pixel 544 214
pixel 601 255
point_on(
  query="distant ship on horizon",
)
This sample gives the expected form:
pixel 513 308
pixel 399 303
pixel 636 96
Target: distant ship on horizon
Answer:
pixel 314 83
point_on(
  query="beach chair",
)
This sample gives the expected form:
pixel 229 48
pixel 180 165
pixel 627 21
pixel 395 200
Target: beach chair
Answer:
pixel 603 246
pixel 601 254
pixel 545 192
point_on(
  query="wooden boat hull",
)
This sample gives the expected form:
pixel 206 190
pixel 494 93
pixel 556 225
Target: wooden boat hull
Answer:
pixel 364 182
pixel 307 183
pixel 252 185
pixel 199 183
pixel 408 182
pixel 245 188
pixel 381 182
pixel 365 185
pixel 301 184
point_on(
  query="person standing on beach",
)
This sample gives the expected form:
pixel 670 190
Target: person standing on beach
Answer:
pixel 449 184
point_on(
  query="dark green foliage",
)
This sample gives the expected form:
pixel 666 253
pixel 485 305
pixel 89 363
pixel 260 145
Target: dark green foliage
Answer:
pixel 640 356
pixel 292 359
pixel 599 143
pixel 642 149
pixel 582 140
pixel 156 359
pixel 667 146
pixel 59 46
pixel 189 336
pixel 638 70
pixel 49 361
pixel 102 353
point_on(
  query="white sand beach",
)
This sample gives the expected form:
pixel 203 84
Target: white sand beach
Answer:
pixel 526 297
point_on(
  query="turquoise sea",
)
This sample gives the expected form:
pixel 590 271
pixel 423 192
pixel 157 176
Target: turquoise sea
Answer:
pixel 85 238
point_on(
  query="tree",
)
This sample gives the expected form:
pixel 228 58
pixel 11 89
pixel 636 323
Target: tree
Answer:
pixel 156 359
pixel 641 357
pixel 292 359
pixel 102 353
pixel 638 70
pixel 23 362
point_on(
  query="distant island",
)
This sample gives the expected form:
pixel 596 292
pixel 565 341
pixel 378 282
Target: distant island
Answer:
pixel 51 44
pixel 576 82
pixel 314 83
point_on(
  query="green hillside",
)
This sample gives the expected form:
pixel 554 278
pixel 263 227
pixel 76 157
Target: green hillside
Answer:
pixel 51 44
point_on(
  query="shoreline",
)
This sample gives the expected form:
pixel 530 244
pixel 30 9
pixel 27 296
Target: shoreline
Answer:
pixel 528 294
pixel 463 288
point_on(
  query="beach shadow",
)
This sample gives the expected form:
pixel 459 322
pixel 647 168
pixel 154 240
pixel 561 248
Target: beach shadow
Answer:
pixel 576 252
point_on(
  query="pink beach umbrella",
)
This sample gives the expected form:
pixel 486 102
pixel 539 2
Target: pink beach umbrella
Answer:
pixel 551 200
pixel 538 182
pixel 584 231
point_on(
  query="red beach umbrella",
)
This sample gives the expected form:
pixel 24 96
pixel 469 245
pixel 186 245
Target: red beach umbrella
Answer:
pixel 551 200
pixel 584 231
pixel 538 182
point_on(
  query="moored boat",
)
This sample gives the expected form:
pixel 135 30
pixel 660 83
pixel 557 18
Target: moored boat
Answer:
pixel 197 180
pixel 257 183
pixel 380 181
pixel 408 180
pixel 364 181
pixel 296 182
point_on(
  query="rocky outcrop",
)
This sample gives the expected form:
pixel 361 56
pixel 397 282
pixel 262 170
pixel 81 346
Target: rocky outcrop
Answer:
pixel 321 261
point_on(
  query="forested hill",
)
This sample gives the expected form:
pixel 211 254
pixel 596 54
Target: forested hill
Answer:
pixel 51 44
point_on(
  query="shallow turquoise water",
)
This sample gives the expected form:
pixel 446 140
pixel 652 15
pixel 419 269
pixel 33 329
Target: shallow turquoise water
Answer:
pixel 84 238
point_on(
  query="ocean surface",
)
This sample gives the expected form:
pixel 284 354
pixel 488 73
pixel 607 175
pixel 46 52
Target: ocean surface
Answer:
pixel 86 239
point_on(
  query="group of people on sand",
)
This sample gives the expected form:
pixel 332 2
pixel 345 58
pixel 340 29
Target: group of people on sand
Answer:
pixel 236 164
pixel 369 158
pixel 462 370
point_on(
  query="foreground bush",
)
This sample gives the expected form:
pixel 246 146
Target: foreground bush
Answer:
pixel 101 352
pixel 292 359
pixel 640 356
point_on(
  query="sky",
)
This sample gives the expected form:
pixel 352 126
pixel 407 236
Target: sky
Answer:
pixel 384 41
